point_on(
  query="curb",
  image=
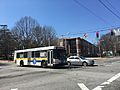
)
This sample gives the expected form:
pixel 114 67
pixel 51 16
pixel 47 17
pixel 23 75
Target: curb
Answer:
pixel 4 61
pixel 99 58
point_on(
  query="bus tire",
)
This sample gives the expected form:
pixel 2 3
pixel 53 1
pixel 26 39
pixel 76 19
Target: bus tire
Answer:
pixel 44 64
pixel 21 63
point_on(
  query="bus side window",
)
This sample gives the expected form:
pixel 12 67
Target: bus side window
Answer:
pixel 37 54
pixel 43 54
pixel 20 55
pixel 33 54
pixel 25 54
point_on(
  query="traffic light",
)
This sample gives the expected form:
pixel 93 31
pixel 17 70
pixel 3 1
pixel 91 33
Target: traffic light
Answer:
pixel 97 34
pixel 111 32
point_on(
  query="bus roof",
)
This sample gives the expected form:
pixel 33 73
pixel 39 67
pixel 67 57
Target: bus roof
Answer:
pixel 40 48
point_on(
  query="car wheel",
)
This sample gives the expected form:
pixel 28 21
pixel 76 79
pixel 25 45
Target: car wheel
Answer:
pixel 69 64
pixel 85 64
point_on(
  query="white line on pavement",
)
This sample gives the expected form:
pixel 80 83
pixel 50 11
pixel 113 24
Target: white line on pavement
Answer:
pixel 107 82
pixel 82 86
pixel 98 88
pixel 15 89
pixel 114 78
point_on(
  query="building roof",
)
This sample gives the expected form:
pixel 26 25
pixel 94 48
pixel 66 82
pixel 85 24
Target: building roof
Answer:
pixel 79 39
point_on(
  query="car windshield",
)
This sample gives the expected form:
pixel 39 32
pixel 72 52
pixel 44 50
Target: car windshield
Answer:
pixel 82 57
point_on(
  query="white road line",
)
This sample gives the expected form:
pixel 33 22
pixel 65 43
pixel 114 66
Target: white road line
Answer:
pixel 114 77
pixel 98 88
pixel 82 86
pixel 107 82
pixel 111 79
pixel 15 89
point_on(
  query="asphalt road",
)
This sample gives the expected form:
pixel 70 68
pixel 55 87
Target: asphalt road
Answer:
pixel 103 75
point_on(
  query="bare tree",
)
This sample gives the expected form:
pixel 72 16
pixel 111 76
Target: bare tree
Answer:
pixel 29 33
pixel 49 36
pixel 23 31
pixel 108 43
pixel 37 36
pixel 44 36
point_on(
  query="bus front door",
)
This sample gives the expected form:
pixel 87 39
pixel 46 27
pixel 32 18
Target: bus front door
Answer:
pixel 50 58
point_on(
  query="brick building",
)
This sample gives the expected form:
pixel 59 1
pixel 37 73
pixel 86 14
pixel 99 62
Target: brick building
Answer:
pixel 79 46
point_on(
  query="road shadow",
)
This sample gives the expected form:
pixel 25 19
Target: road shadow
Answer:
pixel 92 65
pixel 59 67
pixel 50 67
pixel 4 64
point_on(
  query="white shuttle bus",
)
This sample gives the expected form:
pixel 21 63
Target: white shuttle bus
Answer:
pixel 43 56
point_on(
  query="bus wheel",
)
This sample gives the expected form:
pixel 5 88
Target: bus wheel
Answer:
pixel 21 63
pixel 44 64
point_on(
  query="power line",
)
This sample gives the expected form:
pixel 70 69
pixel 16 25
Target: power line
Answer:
pixel 87 32
pixel 112 6
pixel 109 9
pixel 80 4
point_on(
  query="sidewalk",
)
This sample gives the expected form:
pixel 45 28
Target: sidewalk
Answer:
pixel 97 58
pixel 5 61
pixel 104 58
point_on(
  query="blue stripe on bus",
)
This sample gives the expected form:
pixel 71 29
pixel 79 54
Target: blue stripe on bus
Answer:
pixel 36 61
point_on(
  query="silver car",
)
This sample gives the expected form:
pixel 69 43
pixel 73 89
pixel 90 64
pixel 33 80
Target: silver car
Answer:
pixel 75 60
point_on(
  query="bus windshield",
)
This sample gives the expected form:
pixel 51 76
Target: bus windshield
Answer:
pixel 59 54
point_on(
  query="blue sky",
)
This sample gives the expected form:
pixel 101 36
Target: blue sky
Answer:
pixel 63 15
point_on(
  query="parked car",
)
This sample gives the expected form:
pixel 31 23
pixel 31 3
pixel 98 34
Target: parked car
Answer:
pixel 75 60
